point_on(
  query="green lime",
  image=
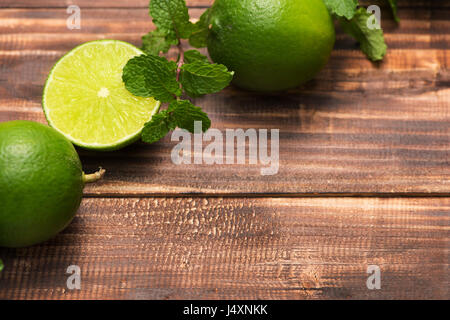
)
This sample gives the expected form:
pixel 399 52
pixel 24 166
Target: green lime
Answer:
pixel 41 183
pixel 86 100
pixel 272 45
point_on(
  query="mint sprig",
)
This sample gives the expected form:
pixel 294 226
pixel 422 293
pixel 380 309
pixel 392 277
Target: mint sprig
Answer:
pixel 157 128
pixel 184 114
pixel 151 75
pixel 199 78
pixel 158 41
pixel 353 21
pixel 342 8
pixel 371 40
pixel 181 114
pixel 200 30
pixel 171 16
pixel 393 4
pixel 191 56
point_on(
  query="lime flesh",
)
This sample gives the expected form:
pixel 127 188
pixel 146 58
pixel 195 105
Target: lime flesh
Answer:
pixel 86 100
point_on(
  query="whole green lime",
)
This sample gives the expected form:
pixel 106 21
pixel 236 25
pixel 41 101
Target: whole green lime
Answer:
pixel 41 183
pixel 271 45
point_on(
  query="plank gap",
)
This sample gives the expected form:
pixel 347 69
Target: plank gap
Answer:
pixel 270 195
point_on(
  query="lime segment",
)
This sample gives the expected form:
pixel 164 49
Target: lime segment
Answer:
pixel 86 100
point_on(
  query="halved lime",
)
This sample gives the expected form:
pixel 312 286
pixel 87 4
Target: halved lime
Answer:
pixel 86 100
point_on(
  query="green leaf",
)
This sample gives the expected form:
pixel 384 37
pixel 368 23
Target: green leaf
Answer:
pixel 151 76
pixel 184 114
pixel 199 78
pixel 181 113
pixel 342 8
pixel 1 265
pixel 200 30
pixel 371 40
pixel 171 16
pixel 393 4
pixel 157 128
pixel 157 41
pixel 191 56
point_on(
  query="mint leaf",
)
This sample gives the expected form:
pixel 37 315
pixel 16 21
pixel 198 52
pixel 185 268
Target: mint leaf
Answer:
pixel 200 30
pixel 342 8
pixel 184 114
pixel 199 78
pixel 371 40
pixel 158 41
pixel 151 76
pixel 393 4
pixel 181 113
pixel 171 16
pixel 157 128
pixel 194 55
pixel 1 265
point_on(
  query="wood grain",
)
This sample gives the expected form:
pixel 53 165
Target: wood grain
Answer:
pixel 357 128
pixel 219 248
pixel 91 4
pixel 191 3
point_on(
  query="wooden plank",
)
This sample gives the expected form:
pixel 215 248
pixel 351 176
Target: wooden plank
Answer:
pixel 191 3
pixel 357 128
pixel 90 3
pixel 432 20
pixel 225 248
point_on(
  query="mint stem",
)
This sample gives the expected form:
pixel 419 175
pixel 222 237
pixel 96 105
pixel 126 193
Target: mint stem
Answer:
pixel 181 60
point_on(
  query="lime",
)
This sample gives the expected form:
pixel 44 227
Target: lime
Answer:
pixel 85 99
pixel 41 183
pixel 272 45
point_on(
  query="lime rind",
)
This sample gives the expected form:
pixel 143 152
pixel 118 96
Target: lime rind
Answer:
pixel 90 119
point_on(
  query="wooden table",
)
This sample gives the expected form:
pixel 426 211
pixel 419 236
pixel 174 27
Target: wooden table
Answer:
pixel 364 176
